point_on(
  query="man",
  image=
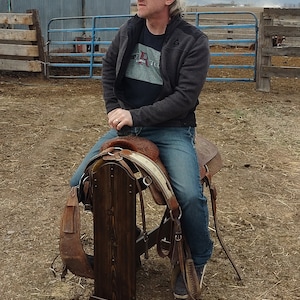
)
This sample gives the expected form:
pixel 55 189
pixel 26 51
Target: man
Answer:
pixel 153 73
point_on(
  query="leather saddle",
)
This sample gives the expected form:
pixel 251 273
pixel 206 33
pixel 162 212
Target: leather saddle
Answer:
pixel 71 249
pixel 208 155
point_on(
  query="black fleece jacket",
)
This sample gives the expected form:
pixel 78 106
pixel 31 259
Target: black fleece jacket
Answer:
pixel 184 64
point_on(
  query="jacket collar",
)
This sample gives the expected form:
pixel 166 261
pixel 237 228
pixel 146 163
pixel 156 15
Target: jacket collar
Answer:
pixel 136 24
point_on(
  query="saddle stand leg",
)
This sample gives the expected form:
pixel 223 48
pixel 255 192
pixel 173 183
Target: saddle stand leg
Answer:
pixel 114 209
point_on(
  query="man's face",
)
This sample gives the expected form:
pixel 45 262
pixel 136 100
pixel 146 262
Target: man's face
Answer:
pixel 152 8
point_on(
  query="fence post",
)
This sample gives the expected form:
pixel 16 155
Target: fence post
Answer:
pixel 40 40
pixel 262 82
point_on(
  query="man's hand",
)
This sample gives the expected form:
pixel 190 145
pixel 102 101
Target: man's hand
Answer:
pixel 119 117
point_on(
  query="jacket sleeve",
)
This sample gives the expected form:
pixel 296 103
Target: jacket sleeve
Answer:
pixel 186 75
pixel 109 74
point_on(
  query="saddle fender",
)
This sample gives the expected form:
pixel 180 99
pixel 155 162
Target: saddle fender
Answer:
pixel 70 246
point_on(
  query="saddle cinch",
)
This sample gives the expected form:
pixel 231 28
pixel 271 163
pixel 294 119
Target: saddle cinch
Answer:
pixel 137 162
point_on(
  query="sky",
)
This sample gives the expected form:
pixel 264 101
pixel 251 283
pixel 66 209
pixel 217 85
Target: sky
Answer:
pixel 258 3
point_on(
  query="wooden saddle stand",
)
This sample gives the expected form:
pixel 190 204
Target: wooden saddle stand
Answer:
pixel 109 187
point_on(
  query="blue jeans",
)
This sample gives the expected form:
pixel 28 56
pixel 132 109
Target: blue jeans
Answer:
pixel 178 154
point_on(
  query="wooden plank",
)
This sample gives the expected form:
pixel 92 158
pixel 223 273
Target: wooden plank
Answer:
pixel 114 209
pixel 281 12
pixel 20 65
pixel 282 51
pixel 291 72
pixel 282 30
pixel 19 50
pixel 18 35
pixel 16 18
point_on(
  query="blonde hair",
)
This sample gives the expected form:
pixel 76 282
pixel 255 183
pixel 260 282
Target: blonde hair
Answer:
pixel 177 8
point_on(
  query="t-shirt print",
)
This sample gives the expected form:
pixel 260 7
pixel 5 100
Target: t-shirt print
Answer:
pixel 144 65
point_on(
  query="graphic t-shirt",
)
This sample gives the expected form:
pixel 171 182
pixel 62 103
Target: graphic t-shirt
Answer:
pixel 143 80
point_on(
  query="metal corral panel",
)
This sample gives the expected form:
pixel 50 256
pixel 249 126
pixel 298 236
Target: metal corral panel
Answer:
pixel 66 8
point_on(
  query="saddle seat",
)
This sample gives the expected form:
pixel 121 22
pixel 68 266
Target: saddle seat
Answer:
pixel 209 157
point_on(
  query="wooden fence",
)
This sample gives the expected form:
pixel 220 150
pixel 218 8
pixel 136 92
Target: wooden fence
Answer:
pixel 21 42
pixel 271 25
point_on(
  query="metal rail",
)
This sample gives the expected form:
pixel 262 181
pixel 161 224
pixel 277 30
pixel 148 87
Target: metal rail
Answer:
pixel 242 25
pixel 79 48
pixel 76 52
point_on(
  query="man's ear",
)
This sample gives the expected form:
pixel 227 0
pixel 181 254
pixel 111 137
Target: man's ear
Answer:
pixel 169 2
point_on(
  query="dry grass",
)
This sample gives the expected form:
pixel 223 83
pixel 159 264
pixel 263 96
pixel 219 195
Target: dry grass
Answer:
pixel 46 129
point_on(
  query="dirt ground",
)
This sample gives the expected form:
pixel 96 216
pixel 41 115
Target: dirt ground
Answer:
pixel 48 126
